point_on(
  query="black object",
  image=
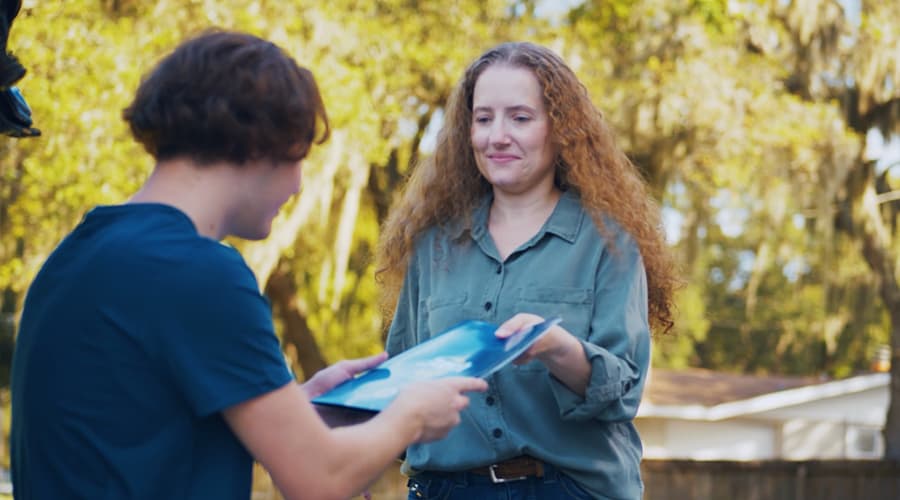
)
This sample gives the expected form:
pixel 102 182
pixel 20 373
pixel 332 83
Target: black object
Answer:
pixel 15 115
pixel 11 70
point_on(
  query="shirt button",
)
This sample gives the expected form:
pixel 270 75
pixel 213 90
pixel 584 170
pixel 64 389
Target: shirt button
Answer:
pixel 489 400
pixel 487 306
pixel 497 433
pixel 499 269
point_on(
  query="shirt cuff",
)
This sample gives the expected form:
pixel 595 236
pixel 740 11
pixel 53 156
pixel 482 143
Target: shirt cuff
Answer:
pixel 607 394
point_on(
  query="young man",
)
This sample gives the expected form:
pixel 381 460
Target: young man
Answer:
pixel 146 364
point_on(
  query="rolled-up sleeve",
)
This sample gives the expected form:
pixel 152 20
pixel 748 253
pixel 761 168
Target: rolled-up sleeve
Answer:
pixel 618 343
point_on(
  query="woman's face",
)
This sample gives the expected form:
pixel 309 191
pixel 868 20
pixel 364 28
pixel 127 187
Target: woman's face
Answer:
pixel 510 130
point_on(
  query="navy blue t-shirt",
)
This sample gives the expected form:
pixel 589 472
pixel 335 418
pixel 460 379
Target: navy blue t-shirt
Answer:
pixel 135 334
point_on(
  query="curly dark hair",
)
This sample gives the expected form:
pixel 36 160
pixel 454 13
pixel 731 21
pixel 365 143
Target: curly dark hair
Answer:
pixel 447 185
pixel 228 96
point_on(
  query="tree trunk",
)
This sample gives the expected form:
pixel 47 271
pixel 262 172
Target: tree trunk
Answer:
pixel 9 304
pixel 359 177
pixel 861 218
pixel 892 423
pixel 876 251
pixel 296 336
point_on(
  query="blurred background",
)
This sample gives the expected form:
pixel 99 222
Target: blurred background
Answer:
pixel 767 130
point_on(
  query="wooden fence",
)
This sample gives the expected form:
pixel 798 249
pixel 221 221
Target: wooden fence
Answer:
pixel 725 480
pixel 771 480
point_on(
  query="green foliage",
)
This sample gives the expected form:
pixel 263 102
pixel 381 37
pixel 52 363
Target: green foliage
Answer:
pixel 705 97
pixel 390 65
pixel 701 92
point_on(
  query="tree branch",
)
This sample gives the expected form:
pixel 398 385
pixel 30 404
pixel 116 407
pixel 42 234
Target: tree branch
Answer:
pixel 887 197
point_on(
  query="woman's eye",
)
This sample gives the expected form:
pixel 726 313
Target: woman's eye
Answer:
pixel 482 119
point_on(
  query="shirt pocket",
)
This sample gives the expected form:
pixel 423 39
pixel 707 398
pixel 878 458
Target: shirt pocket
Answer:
pixel 574 305
pixel 443 312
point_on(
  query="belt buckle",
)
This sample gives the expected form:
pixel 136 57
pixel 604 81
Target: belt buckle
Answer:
pixel 497 480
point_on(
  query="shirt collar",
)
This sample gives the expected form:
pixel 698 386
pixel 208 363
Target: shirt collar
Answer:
pixel 567 217
pixel 564 221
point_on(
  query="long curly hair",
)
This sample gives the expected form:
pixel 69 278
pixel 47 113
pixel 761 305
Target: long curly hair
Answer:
pixel 447 186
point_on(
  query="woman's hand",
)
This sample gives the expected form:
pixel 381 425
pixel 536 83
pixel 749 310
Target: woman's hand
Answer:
pixel 556 340
pixel 558 349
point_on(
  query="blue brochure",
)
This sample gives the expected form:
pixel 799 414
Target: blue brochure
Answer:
pixel 468 349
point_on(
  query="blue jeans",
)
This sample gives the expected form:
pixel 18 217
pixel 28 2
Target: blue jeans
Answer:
pixel 554 485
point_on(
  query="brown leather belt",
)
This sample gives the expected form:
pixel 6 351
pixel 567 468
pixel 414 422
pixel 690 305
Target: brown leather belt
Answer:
pixel 513 469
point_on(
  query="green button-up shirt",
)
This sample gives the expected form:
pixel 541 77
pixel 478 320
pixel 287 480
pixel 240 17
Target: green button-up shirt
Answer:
pixel 567 269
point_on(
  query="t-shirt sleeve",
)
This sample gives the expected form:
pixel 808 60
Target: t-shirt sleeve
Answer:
pixel 221 347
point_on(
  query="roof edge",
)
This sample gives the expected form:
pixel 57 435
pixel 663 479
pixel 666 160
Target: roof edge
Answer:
pixel 766 402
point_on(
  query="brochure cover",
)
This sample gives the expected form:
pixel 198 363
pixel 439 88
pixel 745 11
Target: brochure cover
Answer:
pixel 468 349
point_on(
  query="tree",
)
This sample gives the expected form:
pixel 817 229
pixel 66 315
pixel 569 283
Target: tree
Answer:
pixel 838 59
pixel 381 90
pixel 750 120
pixel 390 67
pixel 722 144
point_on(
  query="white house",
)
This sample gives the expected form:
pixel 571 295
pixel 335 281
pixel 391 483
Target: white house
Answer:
pixel 705 415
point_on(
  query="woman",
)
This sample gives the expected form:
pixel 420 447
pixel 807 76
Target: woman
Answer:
pixel 527 209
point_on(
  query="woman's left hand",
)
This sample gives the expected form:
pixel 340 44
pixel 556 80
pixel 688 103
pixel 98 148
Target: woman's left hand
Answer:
pixel 553 342
pixel 560 351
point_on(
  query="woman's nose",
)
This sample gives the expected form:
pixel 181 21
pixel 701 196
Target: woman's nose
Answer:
pixel 498 133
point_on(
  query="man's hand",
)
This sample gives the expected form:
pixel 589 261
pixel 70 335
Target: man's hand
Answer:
pixel 434 405
pixel 333 375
